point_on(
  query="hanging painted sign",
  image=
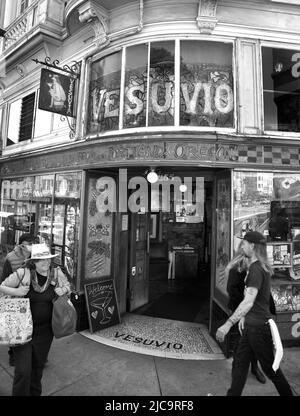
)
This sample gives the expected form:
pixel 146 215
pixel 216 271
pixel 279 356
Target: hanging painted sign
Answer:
pixel 57 92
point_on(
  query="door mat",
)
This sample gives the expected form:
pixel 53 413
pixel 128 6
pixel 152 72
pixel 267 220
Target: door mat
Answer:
pixel 159 337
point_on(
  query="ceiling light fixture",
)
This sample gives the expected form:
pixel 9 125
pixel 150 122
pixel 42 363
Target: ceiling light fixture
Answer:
pixel 152 176
pixel 182 187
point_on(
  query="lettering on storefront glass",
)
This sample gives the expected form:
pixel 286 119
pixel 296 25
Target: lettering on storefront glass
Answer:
pixel 199 99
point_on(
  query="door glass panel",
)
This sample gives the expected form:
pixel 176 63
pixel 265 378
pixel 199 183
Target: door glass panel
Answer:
pixel 99 227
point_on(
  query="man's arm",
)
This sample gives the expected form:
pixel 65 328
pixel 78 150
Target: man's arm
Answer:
pixel 242 310
pixel 245 306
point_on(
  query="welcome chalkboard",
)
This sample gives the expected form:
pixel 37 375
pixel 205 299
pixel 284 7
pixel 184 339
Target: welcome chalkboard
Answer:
pixel 102 305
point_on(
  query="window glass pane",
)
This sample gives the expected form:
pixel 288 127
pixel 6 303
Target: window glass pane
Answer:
pixel 17 210
pixel 270 203
pixel 14 122
pixel 206 84
pixel 161 94
pixel 66 221
pixel 135 86
pixel 105 94
pixel 281 85
pixel 42 123
pixel 259 196
pixel 26 207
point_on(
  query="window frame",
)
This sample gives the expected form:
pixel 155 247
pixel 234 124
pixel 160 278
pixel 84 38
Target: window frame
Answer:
pixel 176 125
pixel 274 45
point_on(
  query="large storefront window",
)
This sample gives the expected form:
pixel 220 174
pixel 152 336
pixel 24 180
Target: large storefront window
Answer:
pixel 206 84
pixel 270 203
pixel 46 206
pixel 204 97
pixel 281 72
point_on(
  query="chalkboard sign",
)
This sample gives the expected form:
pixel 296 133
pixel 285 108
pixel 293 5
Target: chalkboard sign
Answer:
pixel 102 305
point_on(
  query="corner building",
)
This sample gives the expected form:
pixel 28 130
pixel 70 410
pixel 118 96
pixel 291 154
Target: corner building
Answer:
pixel 203 93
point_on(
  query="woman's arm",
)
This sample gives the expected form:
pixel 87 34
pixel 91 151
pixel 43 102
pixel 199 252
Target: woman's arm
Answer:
pixel 12 285
pixel 62 285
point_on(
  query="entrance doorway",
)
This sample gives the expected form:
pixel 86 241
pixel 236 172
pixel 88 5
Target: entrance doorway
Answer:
pixel 175 284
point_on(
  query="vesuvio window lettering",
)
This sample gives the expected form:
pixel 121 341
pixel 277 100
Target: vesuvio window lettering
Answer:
pixel 206 84
pixel 206 87
pixel 281 78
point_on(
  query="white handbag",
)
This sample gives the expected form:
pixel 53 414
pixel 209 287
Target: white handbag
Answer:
pixel 15 321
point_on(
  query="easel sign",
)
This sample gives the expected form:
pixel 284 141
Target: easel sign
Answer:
pixel 102 305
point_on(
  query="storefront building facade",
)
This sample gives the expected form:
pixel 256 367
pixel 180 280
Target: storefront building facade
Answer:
pixel 202 92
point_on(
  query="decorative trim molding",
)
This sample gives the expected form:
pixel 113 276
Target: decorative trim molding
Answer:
pixel 206 19
pixel 91 12
pixel 21 70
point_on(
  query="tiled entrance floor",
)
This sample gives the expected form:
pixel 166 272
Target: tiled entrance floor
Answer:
pixel 160 337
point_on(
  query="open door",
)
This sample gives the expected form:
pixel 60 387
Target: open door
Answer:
pixel 138 280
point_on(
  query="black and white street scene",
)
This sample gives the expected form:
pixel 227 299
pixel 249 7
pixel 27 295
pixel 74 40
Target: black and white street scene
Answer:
pixel 150 201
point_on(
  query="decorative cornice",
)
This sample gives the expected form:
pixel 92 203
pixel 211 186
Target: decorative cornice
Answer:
pixel 206 19
pixel 91 12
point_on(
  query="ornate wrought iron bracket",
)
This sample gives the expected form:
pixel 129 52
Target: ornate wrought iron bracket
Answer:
pixel 73 69
pixel 72 126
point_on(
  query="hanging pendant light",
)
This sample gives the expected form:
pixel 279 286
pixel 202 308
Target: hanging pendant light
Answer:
pixel 152 176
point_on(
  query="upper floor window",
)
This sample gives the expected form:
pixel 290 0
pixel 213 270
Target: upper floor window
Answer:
pixel 13 9
pixel 23 5
pixel 21 120
pixel 281 89
pixel 154 93
pixel 27 122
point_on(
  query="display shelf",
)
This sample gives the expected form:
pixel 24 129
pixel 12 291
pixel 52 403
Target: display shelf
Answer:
pixel 280 254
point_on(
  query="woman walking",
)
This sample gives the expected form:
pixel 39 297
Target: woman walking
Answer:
pixel 41 285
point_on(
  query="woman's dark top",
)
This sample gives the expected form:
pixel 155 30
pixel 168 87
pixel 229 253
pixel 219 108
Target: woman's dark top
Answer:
pixel 41 306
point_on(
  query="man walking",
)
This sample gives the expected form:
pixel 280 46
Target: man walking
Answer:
pixel 253 314
pixel 13 261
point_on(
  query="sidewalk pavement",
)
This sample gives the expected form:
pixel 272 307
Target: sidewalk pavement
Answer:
pixel 79 366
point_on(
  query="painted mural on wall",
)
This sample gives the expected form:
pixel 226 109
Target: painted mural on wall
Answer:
pixel 98 232
pixel 223 232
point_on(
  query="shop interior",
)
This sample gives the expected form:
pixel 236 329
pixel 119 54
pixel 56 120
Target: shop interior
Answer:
pixel 180 252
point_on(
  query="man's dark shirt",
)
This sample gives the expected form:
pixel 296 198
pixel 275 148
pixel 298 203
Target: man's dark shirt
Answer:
pixel 258 278
pixel 235 287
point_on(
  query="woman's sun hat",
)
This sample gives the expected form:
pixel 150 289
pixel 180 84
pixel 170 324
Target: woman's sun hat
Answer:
pixel 40 252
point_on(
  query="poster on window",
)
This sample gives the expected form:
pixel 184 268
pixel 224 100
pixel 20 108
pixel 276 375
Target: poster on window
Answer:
pixel 57 92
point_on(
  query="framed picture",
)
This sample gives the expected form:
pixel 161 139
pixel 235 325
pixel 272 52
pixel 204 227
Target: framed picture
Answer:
pixel 279 254
pixel 153 226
